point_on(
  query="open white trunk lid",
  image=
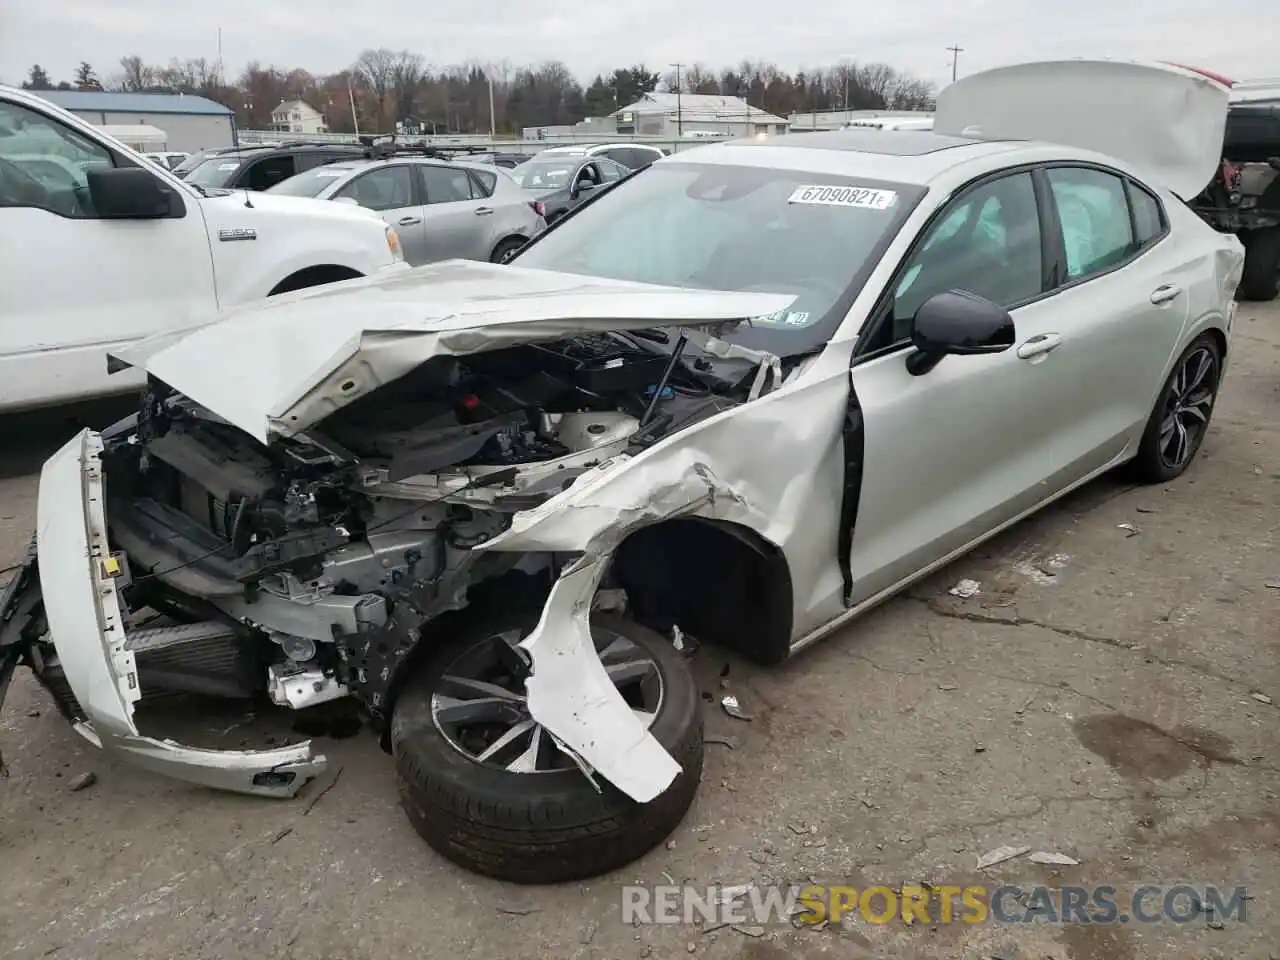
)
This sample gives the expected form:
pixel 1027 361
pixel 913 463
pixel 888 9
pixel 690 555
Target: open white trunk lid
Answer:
pixel 276 367
pixel 1167 121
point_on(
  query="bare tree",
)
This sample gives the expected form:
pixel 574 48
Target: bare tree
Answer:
pixel 407 73
pixel 377 69
pixel 135 75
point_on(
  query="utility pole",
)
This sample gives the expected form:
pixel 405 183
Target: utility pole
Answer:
pixel 679 112
pixel 493 124
pixel 955 60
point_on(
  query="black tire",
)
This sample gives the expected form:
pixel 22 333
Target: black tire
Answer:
pixel 1153 464
pixel 550 826
pixel 506 249
pixel 1261 279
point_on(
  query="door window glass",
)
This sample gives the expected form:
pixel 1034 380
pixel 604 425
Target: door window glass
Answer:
pixel 1095 219
pixel 387 188
pixel 45 164
pixel 269 171
pixel 988 244
pixel 445 184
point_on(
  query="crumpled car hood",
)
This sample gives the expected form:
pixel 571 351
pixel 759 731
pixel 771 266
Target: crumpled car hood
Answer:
pixel 279 366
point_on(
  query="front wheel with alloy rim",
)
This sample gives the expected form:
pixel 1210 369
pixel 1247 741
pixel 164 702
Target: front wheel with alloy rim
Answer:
pixel 490 789
pixel 1182 412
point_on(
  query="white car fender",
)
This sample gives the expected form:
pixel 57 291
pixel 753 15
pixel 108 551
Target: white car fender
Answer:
pixel 257 240
pixel 710 470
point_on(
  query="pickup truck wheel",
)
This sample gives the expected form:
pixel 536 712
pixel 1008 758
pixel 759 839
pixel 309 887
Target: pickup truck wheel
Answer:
pixel 1261 279
pixel 488 789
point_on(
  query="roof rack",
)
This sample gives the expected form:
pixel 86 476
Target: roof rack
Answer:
pixel 382 147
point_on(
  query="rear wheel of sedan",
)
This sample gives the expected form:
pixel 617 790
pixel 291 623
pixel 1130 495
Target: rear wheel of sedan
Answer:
pixel 1182 412
pixel 507 249
pixel 1261 278
pixel 491 790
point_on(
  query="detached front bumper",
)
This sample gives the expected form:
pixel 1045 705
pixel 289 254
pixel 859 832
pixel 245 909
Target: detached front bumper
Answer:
pixel 87 628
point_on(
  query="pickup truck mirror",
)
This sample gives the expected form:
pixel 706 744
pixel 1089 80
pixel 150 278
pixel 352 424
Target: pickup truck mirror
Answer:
pixel 131 193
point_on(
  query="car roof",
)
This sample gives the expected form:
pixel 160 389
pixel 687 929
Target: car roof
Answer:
pixel 906 156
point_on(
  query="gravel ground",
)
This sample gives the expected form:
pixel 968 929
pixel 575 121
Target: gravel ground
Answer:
pixel 1094 698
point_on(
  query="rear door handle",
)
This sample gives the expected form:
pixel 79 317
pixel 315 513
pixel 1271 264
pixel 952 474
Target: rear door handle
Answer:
pixel 1039 345
pixel 483 211
pixel 409 221
pixel 1165 294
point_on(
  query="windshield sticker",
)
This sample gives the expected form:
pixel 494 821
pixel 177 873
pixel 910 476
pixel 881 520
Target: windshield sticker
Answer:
pixel 864 197
pixel 330 173
pixel 227 166
pixel 785 318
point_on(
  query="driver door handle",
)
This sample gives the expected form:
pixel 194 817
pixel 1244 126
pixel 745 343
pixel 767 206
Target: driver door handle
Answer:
pixel 1165 293
pixel 1039 345
pixel 483 211
pixel 409 221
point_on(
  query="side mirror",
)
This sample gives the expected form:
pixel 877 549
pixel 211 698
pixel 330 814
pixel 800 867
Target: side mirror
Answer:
pixel 1274 163
pixel 131 193
pixel 583 186
pixel 960 323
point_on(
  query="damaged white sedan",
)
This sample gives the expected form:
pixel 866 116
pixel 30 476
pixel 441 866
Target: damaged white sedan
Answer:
pixel 749 393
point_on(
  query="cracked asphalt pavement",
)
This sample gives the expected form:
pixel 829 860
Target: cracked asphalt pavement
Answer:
pixel 1103 695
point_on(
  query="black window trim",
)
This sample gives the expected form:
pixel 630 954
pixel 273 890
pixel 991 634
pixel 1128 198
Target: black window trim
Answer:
pixel 879 314
pixel 1052 244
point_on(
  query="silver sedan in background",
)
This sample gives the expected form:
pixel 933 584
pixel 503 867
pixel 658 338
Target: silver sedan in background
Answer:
pixel 440 210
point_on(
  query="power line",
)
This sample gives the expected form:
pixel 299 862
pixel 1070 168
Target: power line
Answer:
pixel 955 60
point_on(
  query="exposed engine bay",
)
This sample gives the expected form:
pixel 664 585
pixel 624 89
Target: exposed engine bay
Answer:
pixel 314 566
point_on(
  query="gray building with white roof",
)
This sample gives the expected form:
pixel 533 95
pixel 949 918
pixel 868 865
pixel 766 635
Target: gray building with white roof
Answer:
pixel 189 122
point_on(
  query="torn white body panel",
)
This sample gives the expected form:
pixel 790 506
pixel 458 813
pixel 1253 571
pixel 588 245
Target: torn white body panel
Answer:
pixel 278 367
pixel 714 469
pixel 571 695
pixel 89 633
pixel 797 509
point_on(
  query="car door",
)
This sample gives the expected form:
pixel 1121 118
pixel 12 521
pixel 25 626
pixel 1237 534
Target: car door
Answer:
pixel 1126 289
pixel 391 192
pixel 953 453
pixel 73 285
pixel 457 224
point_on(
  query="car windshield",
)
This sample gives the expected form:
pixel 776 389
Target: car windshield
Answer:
pixel 720 227
pixel 549 174
pixel 214 172
pixel 311 183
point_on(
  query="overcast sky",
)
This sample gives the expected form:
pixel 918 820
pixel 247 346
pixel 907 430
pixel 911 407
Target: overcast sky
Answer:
pixel 1236 37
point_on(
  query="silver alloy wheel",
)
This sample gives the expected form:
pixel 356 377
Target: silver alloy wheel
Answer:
pixel 479 704
pixel 1187 408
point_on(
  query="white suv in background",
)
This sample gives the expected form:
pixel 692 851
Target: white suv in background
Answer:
pixel 100 248
pixel 633 156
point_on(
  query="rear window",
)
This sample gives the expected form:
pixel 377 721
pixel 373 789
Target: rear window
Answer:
pixel 312 182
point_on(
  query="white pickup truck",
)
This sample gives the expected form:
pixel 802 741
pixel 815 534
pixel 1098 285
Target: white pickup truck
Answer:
pixel 99 248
